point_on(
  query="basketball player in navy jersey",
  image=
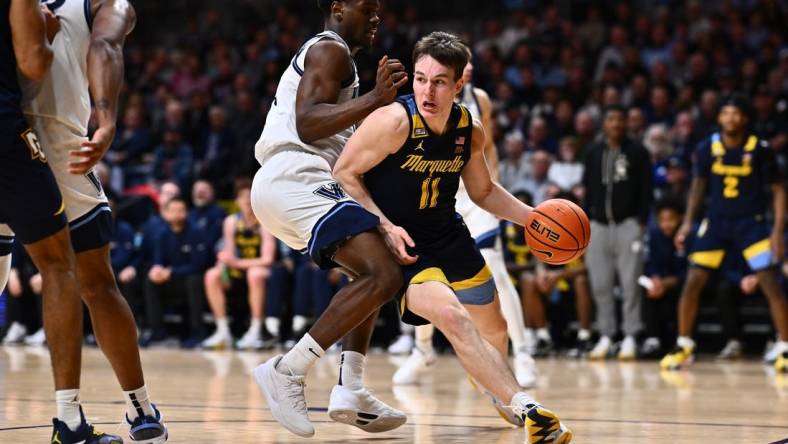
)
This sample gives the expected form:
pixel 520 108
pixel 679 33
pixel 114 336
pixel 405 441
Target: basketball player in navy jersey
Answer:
pixel 736 170
pixel 404 165
pixel 295 197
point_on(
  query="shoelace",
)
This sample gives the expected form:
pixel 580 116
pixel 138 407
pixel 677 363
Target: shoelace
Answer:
pixel 295 391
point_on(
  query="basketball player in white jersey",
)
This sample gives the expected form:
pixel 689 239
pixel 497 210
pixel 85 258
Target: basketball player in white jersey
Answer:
pixel 88 62
pixel 485 229
pixel 295 197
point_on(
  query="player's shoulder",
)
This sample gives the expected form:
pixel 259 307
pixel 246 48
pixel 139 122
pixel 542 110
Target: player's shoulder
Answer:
pixel 327 51
pixel 393 116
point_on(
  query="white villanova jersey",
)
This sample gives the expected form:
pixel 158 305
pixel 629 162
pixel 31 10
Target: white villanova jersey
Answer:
pixel 280 134
pixel 480 223
pixel 63 95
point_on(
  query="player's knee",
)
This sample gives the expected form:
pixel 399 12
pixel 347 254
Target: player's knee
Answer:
pixel 453 320
pixel 388 280
pixel 97 286
pixel 256 276
pixel 696 279
pixel 213 276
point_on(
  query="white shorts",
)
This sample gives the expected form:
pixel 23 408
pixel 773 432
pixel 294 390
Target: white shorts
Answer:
pixel 86 206
pixel 484 227
pixel 295 197
pixel 6 240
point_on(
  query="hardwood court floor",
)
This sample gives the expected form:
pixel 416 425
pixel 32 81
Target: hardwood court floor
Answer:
pixel 209 397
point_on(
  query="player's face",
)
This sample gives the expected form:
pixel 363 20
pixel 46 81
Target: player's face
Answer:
pixel 732 119
pixel 668 220
pixel 361 20
pixel 434 87
pixel 244 200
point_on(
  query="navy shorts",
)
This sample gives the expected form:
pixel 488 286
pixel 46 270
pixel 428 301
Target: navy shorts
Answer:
pixel 30 202
pixel 342 222
pixel 718 236
pixel 455 262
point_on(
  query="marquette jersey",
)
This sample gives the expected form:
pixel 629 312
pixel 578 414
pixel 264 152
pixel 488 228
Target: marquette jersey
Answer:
pixel 10 94
pixel 416 186
pixel 63 95
pixel 247 241
pixel 484 227
pixel 280 131
pixel 738 177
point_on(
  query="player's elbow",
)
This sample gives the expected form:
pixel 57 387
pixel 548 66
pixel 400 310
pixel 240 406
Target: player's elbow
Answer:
pixel 36 64
pixel 304 127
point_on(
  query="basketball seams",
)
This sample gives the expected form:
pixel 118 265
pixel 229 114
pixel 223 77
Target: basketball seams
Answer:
pixel 577 242
pixel 582 224
pixel 552 247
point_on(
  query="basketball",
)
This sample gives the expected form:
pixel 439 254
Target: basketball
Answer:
pixel 557 231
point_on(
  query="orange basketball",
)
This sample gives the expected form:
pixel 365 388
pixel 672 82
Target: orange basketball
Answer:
pixel 557 231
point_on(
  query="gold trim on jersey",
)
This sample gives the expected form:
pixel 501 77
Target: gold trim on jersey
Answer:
pixel 465 118
pixel 419 130
pixel 481 277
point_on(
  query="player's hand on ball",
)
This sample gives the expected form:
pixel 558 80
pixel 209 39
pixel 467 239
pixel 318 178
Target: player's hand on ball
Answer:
pixel 85 158
pixel 390 77
pixel 397 239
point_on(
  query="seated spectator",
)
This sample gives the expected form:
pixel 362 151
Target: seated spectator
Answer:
pixel 515 167
pixel 205 214
pixel 132 143
pixel 567 172
pixel 175 279
pixel 636 124
pixel 123 256
pixel 663 278
pixel 312 291
pixel 173 159
pixel 216 150
pixel 244 264
pixel 538 183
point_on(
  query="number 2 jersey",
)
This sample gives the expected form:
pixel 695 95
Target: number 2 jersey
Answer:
pixel 416 186
pixel 738 178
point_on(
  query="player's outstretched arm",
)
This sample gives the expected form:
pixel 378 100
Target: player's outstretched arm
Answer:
pixel 28 33
pixel 778 231
pixel 113 20
pixel 326 66
pixel 481 188
pixel 381 134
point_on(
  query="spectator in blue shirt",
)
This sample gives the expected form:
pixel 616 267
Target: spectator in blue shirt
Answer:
pixel 180 257
pixel 665 268
pixel 205 214
pixel 173 159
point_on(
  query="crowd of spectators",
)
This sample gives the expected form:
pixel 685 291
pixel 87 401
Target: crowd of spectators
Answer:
pixel 198 89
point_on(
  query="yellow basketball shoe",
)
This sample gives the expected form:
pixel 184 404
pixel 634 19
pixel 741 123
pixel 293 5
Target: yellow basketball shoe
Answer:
pixel 781 363
pixel 678 358
pixel 541 425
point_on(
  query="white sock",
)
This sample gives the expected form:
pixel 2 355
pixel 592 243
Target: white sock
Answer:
pixel 272 325
pixel 543 333
pixel 685 342
pixel 301 357
pixel 424 339
pixel 781 346
pixel 351 370
pixel 584 334
pixel 138 403
pixel 523 400
pixel 299 322
pixel 255 325
pixel 222 326
pixel 68 408
pixel 405 329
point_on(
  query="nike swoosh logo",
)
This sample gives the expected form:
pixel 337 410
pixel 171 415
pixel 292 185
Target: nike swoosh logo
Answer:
pixel 57 213
pixel 549 254
pixel 313 352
